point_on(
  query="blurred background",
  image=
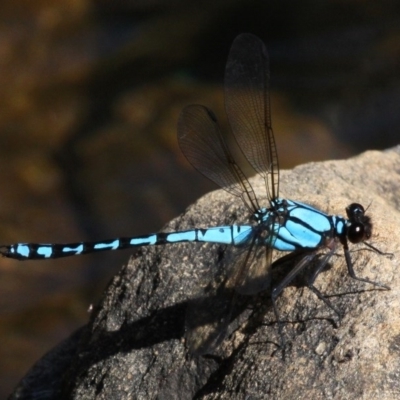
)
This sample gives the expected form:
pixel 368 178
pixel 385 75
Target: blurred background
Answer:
pixel 90 96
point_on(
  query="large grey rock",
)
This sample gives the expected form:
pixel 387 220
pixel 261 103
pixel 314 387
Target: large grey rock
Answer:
pixel 134 347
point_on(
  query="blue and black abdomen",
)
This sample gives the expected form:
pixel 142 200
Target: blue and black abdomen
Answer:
pixel 234 235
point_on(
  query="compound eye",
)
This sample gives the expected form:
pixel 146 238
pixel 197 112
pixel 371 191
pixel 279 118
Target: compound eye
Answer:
pixel 356 233
pixel 355 211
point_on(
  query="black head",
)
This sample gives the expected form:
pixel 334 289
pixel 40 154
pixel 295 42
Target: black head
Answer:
pixel 359 226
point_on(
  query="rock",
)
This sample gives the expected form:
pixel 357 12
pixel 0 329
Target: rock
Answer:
pixel 134 347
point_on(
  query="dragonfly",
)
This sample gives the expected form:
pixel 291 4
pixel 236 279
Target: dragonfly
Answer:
pixel 284 225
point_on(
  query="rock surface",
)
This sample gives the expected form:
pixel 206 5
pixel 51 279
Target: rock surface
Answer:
pixel 134 347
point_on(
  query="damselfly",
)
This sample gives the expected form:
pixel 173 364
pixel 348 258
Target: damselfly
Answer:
pixel 283 225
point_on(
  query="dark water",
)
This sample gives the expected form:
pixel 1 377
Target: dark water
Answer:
pixel 90 98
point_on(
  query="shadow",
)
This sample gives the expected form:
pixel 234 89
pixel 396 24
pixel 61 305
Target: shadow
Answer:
pixel 163 325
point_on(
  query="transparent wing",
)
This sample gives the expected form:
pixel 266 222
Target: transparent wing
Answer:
pixel 251 266
pixel 248 108
pixel 247 267
pixel 208 318
pixel 201 142
pixel 245 271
